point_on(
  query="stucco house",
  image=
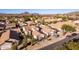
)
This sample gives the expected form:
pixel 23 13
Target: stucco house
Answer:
pixel 37 35
pixel 29 23
pixel 34 28
pixel 46 30
pixel 76 22
pixel 2 24
pixel 8 37
pixel 4 36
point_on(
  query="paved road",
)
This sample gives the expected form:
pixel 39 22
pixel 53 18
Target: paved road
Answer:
pixel 57 44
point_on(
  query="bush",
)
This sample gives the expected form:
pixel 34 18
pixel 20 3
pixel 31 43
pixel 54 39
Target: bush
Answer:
pixel 14 46
pixel 65 18
pixel 27 18
pixel 68 28
pixel 25 42
pixel 71 45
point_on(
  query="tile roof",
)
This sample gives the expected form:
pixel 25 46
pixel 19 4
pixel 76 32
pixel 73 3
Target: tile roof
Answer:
pixel 36 33
pixel 46 30
pixel 4 36
pixel 9 34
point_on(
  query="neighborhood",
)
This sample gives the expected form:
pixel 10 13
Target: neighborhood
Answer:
pixel 35 31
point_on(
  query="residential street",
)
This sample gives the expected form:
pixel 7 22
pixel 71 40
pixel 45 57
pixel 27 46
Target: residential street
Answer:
pixel 58 42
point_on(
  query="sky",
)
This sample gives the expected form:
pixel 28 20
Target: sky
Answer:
pixel 40 11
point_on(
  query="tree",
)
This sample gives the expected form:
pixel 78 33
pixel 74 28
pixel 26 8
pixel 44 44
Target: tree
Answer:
pixel 27 39
pixel 71 45
pixel 33 41
pixel 35 16
pixel 1 17
pixel 27 18
pixel 65 18
pixel 68 28
pixel 14 46
pixel 24 42
pixel 13 19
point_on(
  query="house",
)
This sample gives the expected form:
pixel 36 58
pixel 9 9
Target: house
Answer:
pixel 2 21
pixel 49 20
pixel 76 22
pixel 26 30
pixel 59 19
pixel 34 28
pixel 55 28
pixel 2 24
pixel 46 30
pixel 14 35
pixel 43 26
pixel 7 22
pixel 22 24
pixel 37 35
pixel 10 25
pixel 4 36
pixel 9 37
pixel 47 17
pixel 30 23
pixel 72 17
pixel 21 19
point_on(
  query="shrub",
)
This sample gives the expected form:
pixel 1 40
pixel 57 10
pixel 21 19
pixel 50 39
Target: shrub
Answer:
pixel 71 45
pixel 68 28
pixel 27 18
pixel 14 46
